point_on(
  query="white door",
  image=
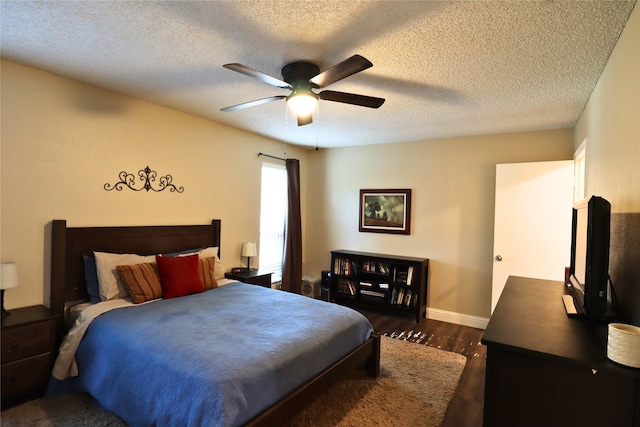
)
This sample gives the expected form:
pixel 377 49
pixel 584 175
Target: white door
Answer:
pixel 532 226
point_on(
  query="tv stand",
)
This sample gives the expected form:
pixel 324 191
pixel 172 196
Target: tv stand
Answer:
pixel 547 369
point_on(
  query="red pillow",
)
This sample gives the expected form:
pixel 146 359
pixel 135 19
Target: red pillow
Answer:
pixel 179 276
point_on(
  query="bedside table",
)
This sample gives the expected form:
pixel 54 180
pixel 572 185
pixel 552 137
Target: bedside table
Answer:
pixel 255 277
pixel 28 350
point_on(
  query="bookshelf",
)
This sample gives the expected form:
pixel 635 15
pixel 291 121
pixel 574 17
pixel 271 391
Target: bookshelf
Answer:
pixel 387 282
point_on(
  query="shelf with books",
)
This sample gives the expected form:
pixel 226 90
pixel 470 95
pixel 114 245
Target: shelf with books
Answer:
pixel 346 287
pixel 343 266
pixel 390 282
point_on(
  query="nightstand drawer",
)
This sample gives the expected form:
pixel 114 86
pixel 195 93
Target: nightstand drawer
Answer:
pixel 264 280
pixel 26 376
pixel 25 341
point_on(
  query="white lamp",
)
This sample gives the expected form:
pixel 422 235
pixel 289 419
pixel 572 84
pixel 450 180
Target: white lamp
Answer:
pixel 8 280
pixel 249 250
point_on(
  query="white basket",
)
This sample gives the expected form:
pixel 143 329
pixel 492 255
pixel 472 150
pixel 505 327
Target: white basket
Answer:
pixel 623 345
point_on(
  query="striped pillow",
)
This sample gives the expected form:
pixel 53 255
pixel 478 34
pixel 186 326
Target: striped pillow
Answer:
pixel 141 280
pixel 207 272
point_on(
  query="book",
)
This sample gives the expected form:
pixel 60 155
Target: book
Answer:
pixel 407 298
pixel 410 275
pixel 401 275
pixel 343 266
pixel 383 268
pixel 372 293
pixel 352 288
pixel 346 287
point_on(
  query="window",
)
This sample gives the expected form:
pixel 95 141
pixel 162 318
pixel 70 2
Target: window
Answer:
pixel 579 172
pixel 273 215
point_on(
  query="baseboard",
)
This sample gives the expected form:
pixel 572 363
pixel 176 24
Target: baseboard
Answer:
pixel 457 318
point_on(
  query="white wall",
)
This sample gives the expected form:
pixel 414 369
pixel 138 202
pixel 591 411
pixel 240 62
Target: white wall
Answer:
pixel 63 140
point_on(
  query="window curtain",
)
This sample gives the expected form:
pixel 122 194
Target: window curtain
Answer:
pixel 292 270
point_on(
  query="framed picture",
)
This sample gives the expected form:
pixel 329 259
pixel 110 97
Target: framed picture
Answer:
pixel 385 211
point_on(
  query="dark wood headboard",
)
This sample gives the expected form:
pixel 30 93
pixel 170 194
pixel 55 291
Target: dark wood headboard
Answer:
pixel 68 245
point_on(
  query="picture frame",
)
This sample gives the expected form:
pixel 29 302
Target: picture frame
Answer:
pixel 385 211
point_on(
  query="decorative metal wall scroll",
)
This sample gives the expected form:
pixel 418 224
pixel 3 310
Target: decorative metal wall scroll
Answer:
pixel 147 177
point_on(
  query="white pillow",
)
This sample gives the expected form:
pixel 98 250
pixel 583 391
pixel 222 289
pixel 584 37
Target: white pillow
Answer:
pixel 218 269
pixel 109 283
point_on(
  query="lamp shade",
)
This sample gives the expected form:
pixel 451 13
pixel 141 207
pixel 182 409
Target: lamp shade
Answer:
pixel 249 249
pixel 302 103
pixel 8 275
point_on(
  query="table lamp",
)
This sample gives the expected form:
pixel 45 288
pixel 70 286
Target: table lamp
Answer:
pixel 249 250
pixel 8 280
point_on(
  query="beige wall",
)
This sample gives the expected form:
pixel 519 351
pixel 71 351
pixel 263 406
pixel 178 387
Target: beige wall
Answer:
pixel 611 125
pixel 452 183
pixel 63 140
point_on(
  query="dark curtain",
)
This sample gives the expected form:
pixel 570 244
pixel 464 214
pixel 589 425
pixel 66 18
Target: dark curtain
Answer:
pixel 292 270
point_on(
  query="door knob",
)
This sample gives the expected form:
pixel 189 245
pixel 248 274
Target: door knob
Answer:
pixel 498 257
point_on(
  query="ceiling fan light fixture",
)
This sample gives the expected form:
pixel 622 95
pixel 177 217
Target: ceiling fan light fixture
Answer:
pixel 301 77
pixel 302 103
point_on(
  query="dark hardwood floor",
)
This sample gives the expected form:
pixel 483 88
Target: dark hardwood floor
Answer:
pixel 465 408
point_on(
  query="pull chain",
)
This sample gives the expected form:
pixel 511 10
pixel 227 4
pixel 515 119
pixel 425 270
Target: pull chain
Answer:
pixel 317 123
pixel 286 122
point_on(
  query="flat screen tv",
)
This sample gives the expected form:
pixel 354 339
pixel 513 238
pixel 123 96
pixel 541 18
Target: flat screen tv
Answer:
pixel 589 268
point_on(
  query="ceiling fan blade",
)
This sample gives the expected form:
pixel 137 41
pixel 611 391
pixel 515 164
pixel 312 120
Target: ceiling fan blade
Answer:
pixel 304 120
pixel 253 103
pixel 351 98
pixel 251 72
pixel 343 69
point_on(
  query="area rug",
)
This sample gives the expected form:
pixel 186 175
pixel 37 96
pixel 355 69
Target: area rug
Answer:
pixel 415 385
pixel 414 388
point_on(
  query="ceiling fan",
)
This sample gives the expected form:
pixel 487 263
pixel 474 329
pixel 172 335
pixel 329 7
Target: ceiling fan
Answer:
pixel 301 77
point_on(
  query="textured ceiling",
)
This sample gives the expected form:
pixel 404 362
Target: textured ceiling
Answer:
pixel 445 68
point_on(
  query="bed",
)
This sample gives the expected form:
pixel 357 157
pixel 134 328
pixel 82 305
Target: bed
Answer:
pixel 272 365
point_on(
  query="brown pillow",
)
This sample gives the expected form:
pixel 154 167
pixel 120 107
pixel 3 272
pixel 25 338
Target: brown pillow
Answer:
pixel 206 270
pixel 141 280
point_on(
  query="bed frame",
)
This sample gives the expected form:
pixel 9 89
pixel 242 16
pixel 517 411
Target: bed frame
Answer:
pixel 68 245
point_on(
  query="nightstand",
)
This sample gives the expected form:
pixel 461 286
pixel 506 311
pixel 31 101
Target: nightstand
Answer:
pixel 28 350
pixel 255 277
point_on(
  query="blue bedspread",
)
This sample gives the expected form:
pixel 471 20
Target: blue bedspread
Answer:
pixel 213 359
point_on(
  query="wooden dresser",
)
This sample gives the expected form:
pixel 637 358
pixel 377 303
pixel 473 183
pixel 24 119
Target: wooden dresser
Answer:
pixel 546 369
pixel 28 351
